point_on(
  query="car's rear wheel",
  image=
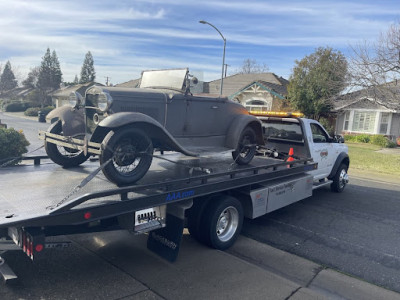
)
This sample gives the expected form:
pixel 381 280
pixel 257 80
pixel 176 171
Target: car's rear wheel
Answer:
pixel 64 156
pixel 246 148
pixel 129 152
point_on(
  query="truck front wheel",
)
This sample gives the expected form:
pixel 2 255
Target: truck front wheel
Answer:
pixel 63 156
pixel 129 152
pixel 340 179
pixel 222 222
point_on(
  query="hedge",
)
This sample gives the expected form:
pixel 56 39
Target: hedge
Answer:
pixel 12 145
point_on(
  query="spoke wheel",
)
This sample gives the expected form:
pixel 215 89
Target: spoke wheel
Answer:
pixel 64 156
pixel 130 151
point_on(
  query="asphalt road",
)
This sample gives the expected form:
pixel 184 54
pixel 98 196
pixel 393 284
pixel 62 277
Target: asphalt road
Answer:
pixel 355 232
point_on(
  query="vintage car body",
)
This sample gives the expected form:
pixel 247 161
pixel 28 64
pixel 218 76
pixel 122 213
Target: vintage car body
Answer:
pixel 124 125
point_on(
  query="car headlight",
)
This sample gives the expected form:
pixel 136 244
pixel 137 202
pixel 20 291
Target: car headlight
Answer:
pixel 75 99
pixel 104 101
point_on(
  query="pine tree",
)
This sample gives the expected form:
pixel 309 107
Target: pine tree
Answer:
pixel 56 74
pixel 88 73
pixel 76 80
pixel 50 75
pixel 7 79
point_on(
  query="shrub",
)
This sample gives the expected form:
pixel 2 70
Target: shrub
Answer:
pixel 47 109
pixel 12 145
pixel 32 111
pixel 17 106
pixel 363 138
pixel 349 138
pixel 379 140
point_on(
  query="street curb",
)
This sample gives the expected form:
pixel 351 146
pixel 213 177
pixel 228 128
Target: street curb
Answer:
pixel 313 278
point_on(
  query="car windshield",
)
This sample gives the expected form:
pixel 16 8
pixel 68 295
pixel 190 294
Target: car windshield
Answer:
pixel 170 79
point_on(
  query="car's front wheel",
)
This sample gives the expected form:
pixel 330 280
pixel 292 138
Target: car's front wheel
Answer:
pixel 128 152
pixel 64 156
pixel 246 148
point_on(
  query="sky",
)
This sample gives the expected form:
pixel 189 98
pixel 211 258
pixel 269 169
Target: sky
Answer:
pixel 126 37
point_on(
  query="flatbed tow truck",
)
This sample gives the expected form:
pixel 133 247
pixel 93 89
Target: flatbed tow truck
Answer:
pixel 209 195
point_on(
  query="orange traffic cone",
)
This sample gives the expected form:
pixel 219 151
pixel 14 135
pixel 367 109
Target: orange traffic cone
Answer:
pixel 290 158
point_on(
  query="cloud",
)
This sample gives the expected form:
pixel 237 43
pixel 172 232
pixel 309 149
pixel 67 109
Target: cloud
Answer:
pixel 128 36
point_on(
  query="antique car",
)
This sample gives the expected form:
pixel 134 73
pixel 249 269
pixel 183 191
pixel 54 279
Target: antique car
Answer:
pixel 125 125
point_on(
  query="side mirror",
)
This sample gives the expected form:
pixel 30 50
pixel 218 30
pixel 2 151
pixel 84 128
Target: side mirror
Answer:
pixel 338 138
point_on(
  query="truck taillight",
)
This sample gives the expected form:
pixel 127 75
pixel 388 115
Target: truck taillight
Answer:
pixel 31 240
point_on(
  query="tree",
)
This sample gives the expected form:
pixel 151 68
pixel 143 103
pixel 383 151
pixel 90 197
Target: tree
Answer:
pixel 251 66
pixel 88 73
pixel 316 80
pixel 50 75
pixel 375 66
pixel 32 79
pixel 76 80
pixel 7 79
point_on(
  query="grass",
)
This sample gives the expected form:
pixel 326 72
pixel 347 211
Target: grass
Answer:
pixel 366 158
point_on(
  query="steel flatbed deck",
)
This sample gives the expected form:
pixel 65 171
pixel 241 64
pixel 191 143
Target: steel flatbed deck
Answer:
pixel 44 195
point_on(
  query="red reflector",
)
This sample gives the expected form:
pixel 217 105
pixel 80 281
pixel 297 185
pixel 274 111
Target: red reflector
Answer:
pixel 39 247
pixel 87 215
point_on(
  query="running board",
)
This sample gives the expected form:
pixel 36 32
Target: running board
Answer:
pixel 318 185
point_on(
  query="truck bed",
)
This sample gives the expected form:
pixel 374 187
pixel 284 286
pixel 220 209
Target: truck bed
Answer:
pixel 44 195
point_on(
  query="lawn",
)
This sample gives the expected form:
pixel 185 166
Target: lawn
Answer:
pixel 365 157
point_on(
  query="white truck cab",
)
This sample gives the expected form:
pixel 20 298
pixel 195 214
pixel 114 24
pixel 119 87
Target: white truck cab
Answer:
pixel 308 138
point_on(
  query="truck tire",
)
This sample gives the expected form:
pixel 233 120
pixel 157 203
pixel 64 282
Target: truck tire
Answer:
pixel 340 179
pixel 63 156
pixel 222 222
pixel 194 217
pixel 130 151
pixel 244 153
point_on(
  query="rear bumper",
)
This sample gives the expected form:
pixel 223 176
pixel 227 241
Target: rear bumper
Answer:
pixel 70 142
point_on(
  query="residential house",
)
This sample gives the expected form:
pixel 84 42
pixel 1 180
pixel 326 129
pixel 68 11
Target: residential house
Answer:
pixel 370 111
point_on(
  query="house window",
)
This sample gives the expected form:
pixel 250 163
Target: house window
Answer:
pixel 346 120
pixel 364 121
pixel 383 126
pixel 257 105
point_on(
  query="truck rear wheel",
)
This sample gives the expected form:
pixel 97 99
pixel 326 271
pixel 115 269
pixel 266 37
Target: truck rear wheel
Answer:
pixel 340 179
pixel 130 151
pixel 63 156
pixel 221 222
pixel 245 149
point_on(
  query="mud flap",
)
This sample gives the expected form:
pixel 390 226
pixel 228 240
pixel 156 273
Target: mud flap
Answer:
pixel 166 241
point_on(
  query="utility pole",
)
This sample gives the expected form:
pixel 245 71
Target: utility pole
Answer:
pixel 107 80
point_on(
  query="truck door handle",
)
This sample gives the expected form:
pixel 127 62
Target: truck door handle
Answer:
pixel 214 107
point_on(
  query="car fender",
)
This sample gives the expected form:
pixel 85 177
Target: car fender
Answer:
pixel 149 125
pixel 343 157
pixel 72 120
pixel 238 124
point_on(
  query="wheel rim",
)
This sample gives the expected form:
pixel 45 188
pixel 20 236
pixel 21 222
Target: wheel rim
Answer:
pixel 128 155
pixel 69 152
pixel 343 179
pixel 227 224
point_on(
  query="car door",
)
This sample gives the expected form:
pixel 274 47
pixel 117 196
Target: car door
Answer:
pixel 176 115
pixel 205 117
pixel 322 151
